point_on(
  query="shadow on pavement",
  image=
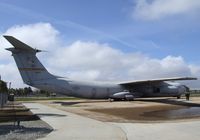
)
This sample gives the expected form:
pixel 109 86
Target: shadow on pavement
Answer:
pixel 49 114
pixel 6 129
pixel 69 103
pixel 171 102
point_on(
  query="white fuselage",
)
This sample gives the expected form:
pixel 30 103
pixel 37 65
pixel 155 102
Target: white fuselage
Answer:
pixel 104 90
pixel 94 90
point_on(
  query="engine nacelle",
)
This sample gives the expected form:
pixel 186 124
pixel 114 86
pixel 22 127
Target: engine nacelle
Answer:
pixel 124 95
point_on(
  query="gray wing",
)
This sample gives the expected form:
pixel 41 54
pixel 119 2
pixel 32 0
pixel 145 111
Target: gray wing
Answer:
pixel 154 81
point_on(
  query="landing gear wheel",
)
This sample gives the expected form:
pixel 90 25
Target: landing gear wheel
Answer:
pixel 111 100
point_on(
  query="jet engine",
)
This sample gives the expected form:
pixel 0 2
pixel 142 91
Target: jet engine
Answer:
pixel 124 95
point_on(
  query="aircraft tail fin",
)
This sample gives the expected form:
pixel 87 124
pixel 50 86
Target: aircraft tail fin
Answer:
pixel 30 68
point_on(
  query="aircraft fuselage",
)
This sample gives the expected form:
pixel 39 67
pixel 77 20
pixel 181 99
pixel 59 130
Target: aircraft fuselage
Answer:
pixel 105 90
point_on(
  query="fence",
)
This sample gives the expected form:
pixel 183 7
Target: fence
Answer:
pixel 3 93
pixel 3 99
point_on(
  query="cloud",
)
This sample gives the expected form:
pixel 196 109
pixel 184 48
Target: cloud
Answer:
pixel 9 73
pixel 89 60
pixel 95 61
pixel 157 9
pixel 40 35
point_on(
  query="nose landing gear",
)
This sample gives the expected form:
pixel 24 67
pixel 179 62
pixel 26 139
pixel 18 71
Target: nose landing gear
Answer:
pixel 179 97
pixel 187 95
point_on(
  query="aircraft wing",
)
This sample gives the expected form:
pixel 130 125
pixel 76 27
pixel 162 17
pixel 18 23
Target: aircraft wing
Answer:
pixel 153 81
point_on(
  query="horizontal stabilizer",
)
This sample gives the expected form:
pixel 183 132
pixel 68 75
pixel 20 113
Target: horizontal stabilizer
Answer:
pixel 19 45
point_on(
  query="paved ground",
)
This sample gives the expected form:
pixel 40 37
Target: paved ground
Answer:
pixel 69 126
pixel 28 130
pixel 162 131
pixel 178 119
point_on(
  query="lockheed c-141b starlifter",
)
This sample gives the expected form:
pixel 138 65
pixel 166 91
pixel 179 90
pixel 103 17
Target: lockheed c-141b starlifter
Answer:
pixel 36 75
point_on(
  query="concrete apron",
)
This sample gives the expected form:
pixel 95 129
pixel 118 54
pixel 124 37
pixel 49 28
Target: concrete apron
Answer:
pixel 74 127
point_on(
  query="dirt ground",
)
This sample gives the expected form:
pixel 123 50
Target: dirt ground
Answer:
pixel 140 110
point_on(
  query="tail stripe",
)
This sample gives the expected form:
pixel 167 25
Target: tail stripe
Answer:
pixel 31 69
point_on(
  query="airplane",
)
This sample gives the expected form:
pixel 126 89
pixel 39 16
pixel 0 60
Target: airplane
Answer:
pixel 36 75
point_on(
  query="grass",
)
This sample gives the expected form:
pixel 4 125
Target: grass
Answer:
pixel 195 94
pixel 43 98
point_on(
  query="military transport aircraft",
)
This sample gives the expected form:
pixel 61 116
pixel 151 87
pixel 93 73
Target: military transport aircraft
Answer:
pixel 35 74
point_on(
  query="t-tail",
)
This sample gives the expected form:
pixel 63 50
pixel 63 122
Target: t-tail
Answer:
pixel 29 66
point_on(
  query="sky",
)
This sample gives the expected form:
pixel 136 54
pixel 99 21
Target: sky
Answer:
pixel 105 40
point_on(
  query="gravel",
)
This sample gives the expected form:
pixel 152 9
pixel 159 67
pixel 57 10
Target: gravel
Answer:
pixel 28 130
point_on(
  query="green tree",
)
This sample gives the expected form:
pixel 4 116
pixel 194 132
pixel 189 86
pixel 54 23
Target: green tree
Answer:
pixel 3 86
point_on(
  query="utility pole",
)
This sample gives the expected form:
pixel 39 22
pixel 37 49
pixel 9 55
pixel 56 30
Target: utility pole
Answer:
pixel 9 85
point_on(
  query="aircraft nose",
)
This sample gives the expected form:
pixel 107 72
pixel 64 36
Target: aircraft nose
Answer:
pixel 183 89
pixel 187 88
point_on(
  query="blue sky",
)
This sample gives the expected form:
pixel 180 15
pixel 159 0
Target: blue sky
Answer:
pixel 150 27
pixel 175 35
